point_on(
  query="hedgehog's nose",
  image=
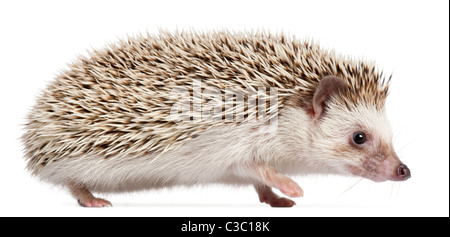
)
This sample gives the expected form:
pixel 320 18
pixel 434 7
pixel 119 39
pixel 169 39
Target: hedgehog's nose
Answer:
pixel 403 172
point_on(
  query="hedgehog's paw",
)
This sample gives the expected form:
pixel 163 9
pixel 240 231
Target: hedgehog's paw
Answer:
pixel 95 202
pixel 266 195
pixel 291 189
pixel 85 197
pixel 281 202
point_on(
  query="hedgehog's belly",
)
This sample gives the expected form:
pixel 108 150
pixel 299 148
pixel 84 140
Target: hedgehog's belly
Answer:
pixel 119 174
pixel 134 173
pixel 216 156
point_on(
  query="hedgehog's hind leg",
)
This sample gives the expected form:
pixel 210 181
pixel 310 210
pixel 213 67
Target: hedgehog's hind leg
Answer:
pixel 266 195
pixel 85 197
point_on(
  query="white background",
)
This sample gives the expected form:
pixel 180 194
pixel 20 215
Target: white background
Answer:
pixel 407 38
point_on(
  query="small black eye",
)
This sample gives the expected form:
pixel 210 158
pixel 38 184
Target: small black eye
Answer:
pixel 359 138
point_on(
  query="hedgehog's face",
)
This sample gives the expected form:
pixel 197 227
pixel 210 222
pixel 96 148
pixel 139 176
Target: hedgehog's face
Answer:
pixel 358 141
pixel 362 143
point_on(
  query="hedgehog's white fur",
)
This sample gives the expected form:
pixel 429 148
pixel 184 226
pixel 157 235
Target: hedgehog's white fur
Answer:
pixel 105 123
pixel 224 154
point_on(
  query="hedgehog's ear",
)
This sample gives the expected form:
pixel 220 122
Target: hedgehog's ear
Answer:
pixel 328 86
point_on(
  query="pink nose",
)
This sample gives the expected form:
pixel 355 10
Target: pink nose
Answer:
pixel 403 172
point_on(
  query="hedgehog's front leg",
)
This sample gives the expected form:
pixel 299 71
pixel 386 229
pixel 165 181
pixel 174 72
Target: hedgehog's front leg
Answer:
pixel 270 177
pixel 85 197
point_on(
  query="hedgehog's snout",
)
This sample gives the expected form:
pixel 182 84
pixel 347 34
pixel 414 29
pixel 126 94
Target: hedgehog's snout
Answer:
pixel 403 172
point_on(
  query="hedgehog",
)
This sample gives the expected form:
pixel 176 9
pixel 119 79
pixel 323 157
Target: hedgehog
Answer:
pixel 195 108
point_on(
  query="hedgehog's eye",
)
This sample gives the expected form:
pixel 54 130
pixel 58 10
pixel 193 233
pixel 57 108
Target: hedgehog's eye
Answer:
pixel 359 138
